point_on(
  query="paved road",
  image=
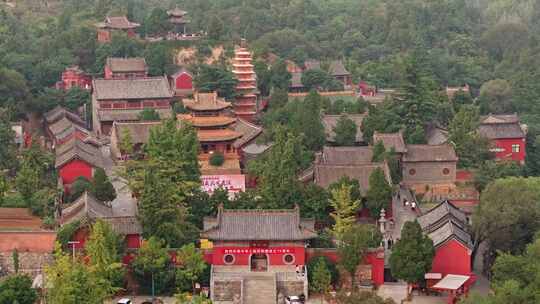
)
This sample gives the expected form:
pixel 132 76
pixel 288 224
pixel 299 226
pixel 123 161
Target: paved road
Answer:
pixel 401 214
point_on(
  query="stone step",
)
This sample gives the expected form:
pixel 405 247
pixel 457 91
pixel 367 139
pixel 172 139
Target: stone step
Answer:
pixel 260 289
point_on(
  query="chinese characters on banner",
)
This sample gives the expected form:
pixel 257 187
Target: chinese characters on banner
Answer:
pixel 258 250
pixel 233 183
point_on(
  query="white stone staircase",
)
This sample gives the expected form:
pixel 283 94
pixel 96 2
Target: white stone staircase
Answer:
pixel 260 288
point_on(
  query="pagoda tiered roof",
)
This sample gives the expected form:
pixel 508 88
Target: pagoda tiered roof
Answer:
pixel 206 102
pixel 217 135
pixel 207 121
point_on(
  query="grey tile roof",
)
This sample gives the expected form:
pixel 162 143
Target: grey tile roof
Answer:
pixel 245 225
pixel 325 175
pixel 330 122
pixel 346 155
pixel 77 149
pixel 59 112
pixel 500 131
pixel 123 65
pixel 428 153
pixel 499 118
pixel 118 22
pixel 139 131
pixel 85 206
pixel 391 140
pixel 248 130
pixel 124 225
pixel 436 135
pixel 450 230
pixel 129 114
pixel 338 69
pixel 89 207
pixel 442 212
pixel 137 88
pixel 256 149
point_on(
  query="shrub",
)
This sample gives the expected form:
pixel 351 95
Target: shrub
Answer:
pixel 329 265
pixel 217 159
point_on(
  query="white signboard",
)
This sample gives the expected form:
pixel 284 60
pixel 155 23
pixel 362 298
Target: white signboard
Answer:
pixel 233 183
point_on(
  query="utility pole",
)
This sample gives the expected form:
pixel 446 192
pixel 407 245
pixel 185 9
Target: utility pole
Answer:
pixel 73 243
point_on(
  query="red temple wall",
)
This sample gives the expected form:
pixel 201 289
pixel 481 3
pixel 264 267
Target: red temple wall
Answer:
pixel 133 241
pixel 375 259
pixel 107 72
pixel 74 169
pixel 506 146
pixel 103 35
pixel 275 255
pixel 452 258
pixel 184 82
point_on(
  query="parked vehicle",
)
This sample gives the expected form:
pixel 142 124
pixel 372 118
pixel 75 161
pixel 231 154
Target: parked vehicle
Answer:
pixel 124 301
pixel 293 300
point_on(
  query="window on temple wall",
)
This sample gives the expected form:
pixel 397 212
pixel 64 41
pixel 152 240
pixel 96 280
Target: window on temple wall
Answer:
pixel 446 171
pixel 229 148
pixel 412 172
pixel 516 148
pixel 288 259
pixel 228 259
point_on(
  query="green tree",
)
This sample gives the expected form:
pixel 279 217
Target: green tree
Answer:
pixel 361 297
pixel 71 282
pixel 507 217
pixel 192 266
pixel 163 212
pixel 356 193
pixel 76 97
pixel 153 266
pixel 27 179
pixel 209 78
pixel 7 142
pixel 307 122
pixel 495 97
pixel 13 88
pixel 216 28
pixel 157 22
pixel 492 170
pixel 280 76
pixel 17 289
pixel 126 142
pixel 412 255
pixel 379 194
pixel 149 114
pixel 103 252
pixel 278 184
pixel 317 79
pixel 264 77
pixel 471 148
pixel 345 209
pixel 15 257
pixel 102 188
pixel 79 186
pixel 378 152
pixel 353 246
pixel 345 131
pixel 159 59
pixel 321 279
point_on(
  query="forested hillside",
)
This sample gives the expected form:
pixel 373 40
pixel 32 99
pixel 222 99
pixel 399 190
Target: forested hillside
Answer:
pixel 456 42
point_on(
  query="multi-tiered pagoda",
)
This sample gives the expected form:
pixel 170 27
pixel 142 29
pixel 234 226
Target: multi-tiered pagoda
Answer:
pixel 246 101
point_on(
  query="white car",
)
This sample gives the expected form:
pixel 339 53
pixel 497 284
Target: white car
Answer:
pixel 293 300
pixel 124 301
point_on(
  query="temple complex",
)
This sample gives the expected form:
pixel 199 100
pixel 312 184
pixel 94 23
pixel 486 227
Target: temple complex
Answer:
pixel 255 254
pixel 74 76
pixel 177 18
pixel 122 68
pixel 208 113
pixel 106 29
pixel 245 105
pixel 125 99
